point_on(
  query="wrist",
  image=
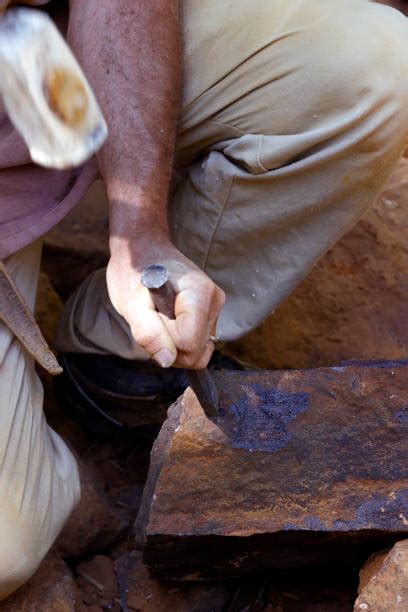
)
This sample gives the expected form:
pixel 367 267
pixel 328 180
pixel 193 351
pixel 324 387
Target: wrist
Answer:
pixel 133 215
pixel 144 245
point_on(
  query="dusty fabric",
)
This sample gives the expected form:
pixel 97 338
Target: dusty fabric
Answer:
pixel 294 115
pixel 33 199
pixel 39 482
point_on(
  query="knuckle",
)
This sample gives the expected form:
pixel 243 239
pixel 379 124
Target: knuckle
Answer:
pixel 203 361
pixel 195 345
pixel 148 340
pixel 217 295
pixel 187 345
pixel 206 286
pixel 220 298
pixel 189 361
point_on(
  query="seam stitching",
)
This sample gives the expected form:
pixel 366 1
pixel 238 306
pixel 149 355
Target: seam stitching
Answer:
pixel 258 156
pixel 211 242
pixel 229 125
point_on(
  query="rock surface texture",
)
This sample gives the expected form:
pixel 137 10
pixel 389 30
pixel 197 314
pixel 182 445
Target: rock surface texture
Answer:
pixel 301 466
pixel 384 581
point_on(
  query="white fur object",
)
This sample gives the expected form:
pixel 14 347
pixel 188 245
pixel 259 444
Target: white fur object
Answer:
pixel 32 49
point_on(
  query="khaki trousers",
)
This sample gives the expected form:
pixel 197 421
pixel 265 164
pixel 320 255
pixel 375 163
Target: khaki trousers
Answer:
pixel 39 481
pixel 294 115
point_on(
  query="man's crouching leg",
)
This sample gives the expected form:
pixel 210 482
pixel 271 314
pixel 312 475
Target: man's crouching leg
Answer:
pixel 285 140
pixel 39 482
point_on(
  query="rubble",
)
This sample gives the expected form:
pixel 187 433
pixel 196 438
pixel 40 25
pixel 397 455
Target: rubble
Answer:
pixel 384 581
pixel 97 580
pixel 140 591
pixel 301 467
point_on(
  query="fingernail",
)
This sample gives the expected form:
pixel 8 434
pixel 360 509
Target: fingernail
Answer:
pixel 165 358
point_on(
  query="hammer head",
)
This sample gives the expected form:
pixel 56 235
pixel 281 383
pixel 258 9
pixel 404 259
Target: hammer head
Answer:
pixel 45 92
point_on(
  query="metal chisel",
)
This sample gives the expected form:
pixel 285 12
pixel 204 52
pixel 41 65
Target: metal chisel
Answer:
pixel 156 279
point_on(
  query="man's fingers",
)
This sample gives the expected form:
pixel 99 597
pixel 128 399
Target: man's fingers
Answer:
pixel 192 320
pixel 205 357
pixel 197 308
pixel 183 341
pixel 196 361
pixel 149 330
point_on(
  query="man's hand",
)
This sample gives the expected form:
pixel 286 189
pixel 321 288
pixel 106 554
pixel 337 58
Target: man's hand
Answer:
pixel 185 341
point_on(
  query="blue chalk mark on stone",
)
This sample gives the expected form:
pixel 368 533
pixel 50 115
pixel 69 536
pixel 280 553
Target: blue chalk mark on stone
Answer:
pixel 402 416
pixel 376 363
pixel 314 524
pixel 262 425
pixel 379 512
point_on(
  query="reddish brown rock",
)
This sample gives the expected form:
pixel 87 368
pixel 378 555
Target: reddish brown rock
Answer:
pixel 384 581
pixel 95 523
pixel 97 581
pixel 353 303
pixel 140 591
pixel 52 589
pixel 371 567
pixel 301 466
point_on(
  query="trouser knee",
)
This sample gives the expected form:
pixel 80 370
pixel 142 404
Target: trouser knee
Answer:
pixel 363 53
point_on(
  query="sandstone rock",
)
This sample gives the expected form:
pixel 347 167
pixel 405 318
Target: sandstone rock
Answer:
pixel 140 591
pixel 353 303
pixel 371 567
pixel 300 466
pixel 384 581
pixel 52 589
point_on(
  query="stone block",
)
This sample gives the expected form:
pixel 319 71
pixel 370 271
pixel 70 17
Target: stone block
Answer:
pixel 300 467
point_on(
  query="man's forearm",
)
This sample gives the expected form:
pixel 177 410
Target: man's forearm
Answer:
pixel 130 51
